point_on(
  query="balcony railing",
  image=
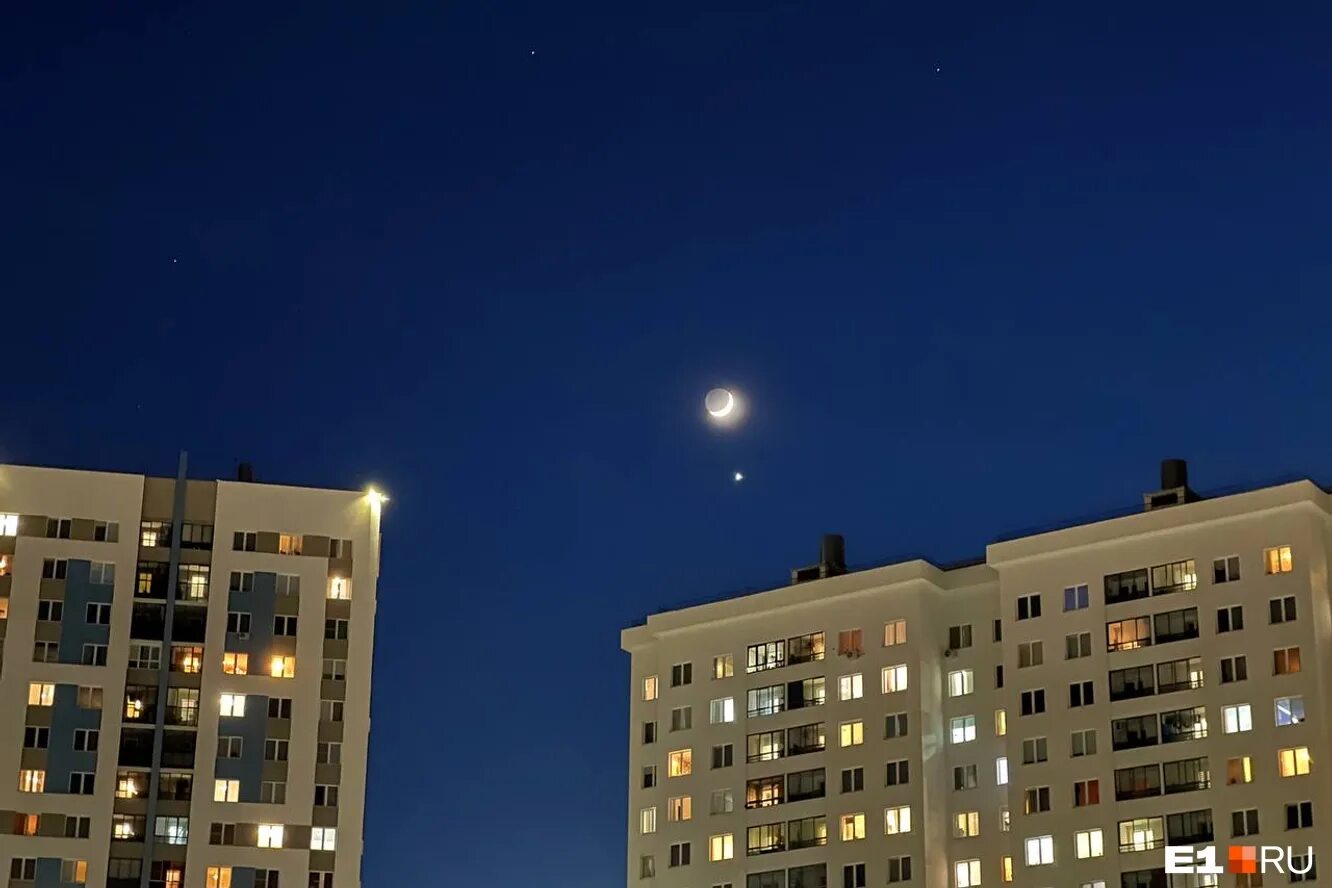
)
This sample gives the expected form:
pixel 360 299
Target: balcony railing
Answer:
pixel 1136 792
pixel 1189 684
pixel 1188 785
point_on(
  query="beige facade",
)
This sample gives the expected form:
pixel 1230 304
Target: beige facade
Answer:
pixel 189 678
pixel 1059 750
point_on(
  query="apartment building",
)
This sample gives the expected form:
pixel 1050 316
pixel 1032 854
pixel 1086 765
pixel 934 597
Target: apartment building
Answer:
pixel 1052 716
pixel 187 667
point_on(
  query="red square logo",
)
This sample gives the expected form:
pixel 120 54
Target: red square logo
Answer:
pixel 1243 859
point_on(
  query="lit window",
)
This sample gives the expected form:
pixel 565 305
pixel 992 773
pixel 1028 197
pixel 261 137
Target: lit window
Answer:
pixel 1001 770
pixel 1239 770
pixel 186 658
pixel 722 711
pixel 1000 722
pixel 723 666
pixel 647 821
pixel 339 588
pixel 961 682
pixel 894 633
pixel 853 827
pixel 1293 762
pixel 680 763
pixel 8 525
pixel 679 808
pixel 235 664
pixel 4 565
pixel 897 820
pixel 966 874
pixel 172 830
pixel 966 824
pixel 233 705
pixel 1039 850
pixel 1007 870
pixel 1236 719
pixel 853 733
pixel 650 688
pixel 218 877
pixel 226 790
pixel 851 687
pixel 74 872
pixel 1286 661
pixel 1088 843
pixel 32 781
pixel 1005 819
pixel 27 824
pixel 962 729
pixel 41 693
pixel 270 835
pixel 321 838
pixel 721 847
pixel 894 679
pixel 290 544
pixel 1278 560
pixel 282 667
pixel 1289 711
pixel 127 786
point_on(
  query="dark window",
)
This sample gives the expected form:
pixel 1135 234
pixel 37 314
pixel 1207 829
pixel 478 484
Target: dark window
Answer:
pixel 807 832
pixel 1184 724
pixel 853 779
pixel 1137 783
pixel 1189 827
pixel 805 648
pixel 1148 878
pixel 1126 586
pixel 723 756
pixel 998 636
pixel 1299 815
pixel 773 879
pixel 1029 607
pixel 1176 625
pixel 681 673
pixel 898 773
pixel 805 738
pixel 1179 675
pixel 1136 681
pixel 1080 694
pixel 1234 669
pixel 1033 702
pixel 1133 732
pixel 1186 775
pixel 959 636
pixel 1281 610
pixel 813 875
pixel 899 869
pixel 1230 619
pixel 802 785
pixel 1226 570
pixel 1244 823
pixel 895 725
pixel 853 875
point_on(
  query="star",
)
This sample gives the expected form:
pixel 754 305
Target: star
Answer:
pixel 937 70
pixel 533 52
pixel 739 476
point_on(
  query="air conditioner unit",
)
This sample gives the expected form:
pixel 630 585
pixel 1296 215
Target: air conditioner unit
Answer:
pixel 950 652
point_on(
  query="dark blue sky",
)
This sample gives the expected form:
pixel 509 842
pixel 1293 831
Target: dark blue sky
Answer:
pixel 961 301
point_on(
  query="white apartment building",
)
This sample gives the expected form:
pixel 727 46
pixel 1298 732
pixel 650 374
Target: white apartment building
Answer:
pixel 187 664
pixel 1051 717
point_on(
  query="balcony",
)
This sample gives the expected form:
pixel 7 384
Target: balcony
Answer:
pixel 1127 793
pixel 1191 683
pixel 1130 692
pixel 801 795
pixel 1128 586
pixel 1203 781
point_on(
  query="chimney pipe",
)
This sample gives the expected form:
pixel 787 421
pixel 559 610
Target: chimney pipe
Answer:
pixel 832 554
pixel 1174 473
pixel 245 472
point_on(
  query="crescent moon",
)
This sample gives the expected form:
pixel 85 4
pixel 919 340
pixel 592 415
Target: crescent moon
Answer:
pixel 725 411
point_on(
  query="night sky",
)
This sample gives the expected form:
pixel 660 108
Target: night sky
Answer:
pixel 977 269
